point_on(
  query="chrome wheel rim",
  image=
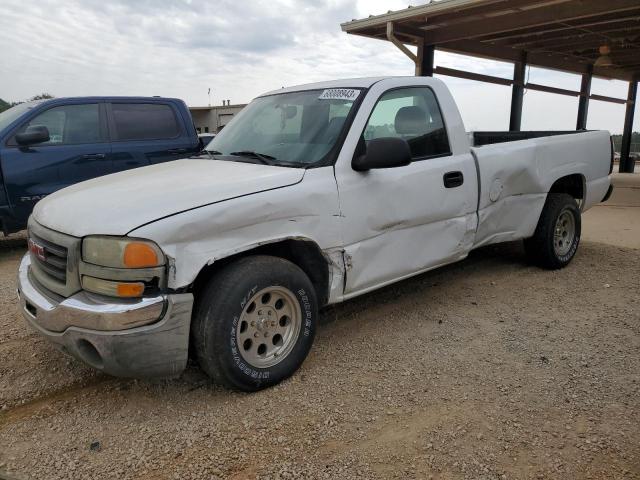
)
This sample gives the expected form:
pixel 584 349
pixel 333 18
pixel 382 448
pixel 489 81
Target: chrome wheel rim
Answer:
pixel 564 233
pixel 269 327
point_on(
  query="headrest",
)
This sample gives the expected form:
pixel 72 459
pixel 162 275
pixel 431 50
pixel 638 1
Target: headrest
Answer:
pixel 336 123
pixel 411 121
pixel 333 129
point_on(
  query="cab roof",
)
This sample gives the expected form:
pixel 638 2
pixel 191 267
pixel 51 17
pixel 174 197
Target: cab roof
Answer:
pixel 365 82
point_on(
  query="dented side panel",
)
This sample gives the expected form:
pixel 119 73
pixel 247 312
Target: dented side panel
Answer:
pixel 402 220
pixel 400 253
pixel 511 192
pixel 307 211
pixel 510 218
pixel 515 178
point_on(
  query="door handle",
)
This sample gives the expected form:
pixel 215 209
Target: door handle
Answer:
pixel 94 156
pixel 453 179
pixel 174 151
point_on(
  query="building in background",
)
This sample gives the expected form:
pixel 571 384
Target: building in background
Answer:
pixel 212 119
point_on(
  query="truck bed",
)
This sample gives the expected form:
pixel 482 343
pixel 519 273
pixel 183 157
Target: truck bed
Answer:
pixel 517 169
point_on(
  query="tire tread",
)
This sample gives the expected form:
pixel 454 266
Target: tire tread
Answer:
pixel 539 248
pixel 220 295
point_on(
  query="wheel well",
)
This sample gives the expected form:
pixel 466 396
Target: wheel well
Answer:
pixel 303 253
pixel 571 184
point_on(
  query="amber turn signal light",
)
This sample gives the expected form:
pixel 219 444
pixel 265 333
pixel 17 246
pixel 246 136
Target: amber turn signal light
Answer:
pixel 139 255
pixel 130 289
pixel 113 289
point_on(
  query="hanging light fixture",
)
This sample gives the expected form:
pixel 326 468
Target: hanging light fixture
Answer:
pixel 604 60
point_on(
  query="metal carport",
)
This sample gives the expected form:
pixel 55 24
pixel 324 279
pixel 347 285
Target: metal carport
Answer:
pixel 587 37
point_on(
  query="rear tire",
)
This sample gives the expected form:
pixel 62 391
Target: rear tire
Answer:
pixel 254 322
pixel 557 234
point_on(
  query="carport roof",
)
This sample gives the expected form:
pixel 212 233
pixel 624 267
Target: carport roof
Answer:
pixel 558 34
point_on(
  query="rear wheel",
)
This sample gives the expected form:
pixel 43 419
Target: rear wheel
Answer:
pixel 557 234
pixel 254 322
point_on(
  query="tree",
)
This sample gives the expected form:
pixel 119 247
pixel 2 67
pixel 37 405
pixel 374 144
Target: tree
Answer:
pixel 42 96
pixel 4 105
pixel 635 142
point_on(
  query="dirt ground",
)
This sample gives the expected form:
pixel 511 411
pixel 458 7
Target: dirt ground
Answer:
pixel 487 369
pixel 616 222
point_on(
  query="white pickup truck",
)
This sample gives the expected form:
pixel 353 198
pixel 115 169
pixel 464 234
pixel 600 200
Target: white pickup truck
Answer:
pixel 312 195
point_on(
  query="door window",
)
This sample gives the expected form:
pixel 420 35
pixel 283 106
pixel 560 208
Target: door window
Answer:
pixel 144 121
pixel 414 115
pixel 69 124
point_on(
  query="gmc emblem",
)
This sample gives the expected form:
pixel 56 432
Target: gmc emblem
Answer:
pixel 37 250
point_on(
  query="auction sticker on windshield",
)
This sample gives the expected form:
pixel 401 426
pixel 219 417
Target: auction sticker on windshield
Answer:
pixel 339 94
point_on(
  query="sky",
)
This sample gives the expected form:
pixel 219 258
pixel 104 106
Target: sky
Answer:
pixel 239 49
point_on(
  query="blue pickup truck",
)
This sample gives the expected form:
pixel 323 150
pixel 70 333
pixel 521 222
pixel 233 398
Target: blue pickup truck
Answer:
pixel 47 145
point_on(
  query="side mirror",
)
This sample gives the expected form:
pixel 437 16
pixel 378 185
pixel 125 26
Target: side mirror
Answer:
pixel 386 152
pixel 32 135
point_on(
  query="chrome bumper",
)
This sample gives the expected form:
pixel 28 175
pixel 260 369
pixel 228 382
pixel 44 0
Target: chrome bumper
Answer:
pixel 125 338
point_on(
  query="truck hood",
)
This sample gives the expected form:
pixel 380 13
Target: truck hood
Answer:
pixel 118 203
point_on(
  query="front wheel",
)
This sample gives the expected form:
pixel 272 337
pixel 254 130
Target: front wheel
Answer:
pixel 557 234
pixel 254 322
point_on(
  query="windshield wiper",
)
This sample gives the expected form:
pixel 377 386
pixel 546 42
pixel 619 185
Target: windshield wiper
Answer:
pixel 267 159
pixel 208 153
pixel 261 157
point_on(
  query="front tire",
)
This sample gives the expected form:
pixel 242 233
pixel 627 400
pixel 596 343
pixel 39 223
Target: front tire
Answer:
pixel 557 235
pixel 254 322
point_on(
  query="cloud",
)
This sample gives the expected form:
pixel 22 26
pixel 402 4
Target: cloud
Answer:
pixel 239 49
pixel 223 25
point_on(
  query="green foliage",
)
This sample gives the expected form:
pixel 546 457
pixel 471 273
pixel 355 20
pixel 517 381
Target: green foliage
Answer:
pixel 617 141
pixel 4 105
pixel 42 96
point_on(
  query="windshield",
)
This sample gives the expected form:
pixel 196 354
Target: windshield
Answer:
pixel 297 129
pixel 9 116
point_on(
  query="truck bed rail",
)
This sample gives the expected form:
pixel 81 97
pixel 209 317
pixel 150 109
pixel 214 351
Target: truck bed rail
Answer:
pixel 487 138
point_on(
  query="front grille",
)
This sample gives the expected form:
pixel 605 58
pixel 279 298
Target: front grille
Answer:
pixel 54 260
pixel 54 263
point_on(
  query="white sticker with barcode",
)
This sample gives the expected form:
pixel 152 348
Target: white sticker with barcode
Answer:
pixel 340 94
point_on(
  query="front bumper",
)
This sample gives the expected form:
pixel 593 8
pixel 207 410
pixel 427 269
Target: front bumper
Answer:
pixel 157 349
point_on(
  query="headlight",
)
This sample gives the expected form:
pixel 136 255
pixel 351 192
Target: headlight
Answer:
pixel 121 267
pixel 121 252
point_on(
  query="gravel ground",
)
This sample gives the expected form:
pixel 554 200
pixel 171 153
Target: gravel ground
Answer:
pixel 487 369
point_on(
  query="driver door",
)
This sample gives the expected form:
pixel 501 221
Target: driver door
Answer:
pixel 403 220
